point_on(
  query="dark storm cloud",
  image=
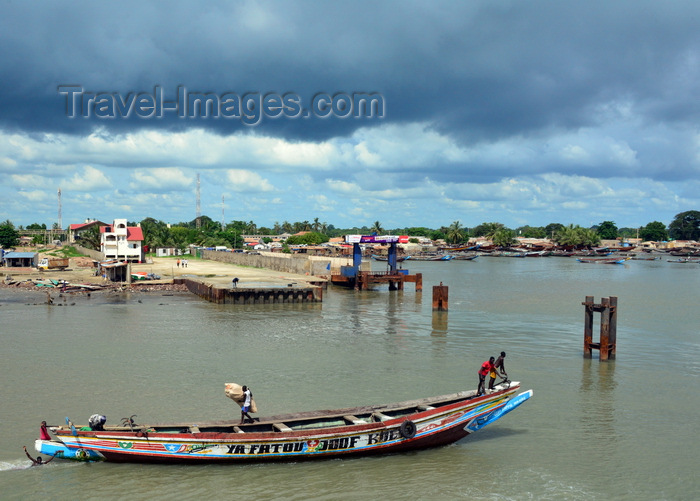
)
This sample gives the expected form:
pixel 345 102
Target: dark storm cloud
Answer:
pixel 474 70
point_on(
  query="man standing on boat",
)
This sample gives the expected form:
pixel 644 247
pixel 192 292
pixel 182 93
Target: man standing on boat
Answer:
pixel 486 368
pixel 500 364
pixel 248 395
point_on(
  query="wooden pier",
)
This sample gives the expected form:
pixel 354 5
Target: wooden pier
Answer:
pixel 259 295
pixel 608 327
pixel 362 280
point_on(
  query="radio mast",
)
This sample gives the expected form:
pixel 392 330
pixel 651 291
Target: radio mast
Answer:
pixel 60 210
pixel 199 211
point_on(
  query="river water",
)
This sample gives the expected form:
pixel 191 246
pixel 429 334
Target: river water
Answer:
pixel 624 429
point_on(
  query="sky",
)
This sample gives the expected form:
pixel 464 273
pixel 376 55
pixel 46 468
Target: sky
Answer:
pixel 407 113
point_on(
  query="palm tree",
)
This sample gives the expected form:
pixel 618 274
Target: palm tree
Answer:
pixel 455 233
pixel 316 225
pixel 377 228
pixel 503 237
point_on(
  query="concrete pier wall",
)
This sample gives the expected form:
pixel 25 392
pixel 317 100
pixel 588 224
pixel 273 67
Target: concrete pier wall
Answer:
pixel 266 295
pixel 318 266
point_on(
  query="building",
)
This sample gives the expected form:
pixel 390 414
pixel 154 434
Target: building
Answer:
pixel 19 259
pixel 74 230
pixel 121 242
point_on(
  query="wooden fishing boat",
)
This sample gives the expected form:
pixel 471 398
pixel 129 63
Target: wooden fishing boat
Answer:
pixel 432 257
pixel 464 257
pixel 399 259
pixel 373 429
pixel 601 260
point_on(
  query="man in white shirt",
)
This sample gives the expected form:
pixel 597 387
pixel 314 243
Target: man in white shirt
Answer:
pixel 246 404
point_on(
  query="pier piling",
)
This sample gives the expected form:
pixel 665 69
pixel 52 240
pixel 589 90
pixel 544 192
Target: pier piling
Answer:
pixel 608 327
pixel 440 297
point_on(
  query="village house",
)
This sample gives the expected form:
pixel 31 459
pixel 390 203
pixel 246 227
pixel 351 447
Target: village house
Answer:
pixel 74 230
pixel 122 242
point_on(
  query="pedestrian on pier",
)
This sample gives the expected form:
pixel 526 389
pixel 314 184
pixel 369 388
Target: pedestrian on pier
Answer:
pixel 235 282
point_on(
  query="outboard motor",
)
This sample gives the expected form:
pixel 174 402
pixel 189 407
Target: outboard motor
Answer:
pixel 96 422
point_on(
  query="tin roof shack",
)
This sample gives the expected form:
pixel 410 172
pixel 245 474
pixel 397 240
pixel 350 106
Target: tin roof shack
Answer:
pixel 114 271
pixel 20 259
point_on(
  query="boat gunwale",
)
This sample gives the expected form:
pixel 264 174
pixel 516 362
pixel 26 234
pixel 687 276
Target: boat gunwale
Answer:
pixel 449 402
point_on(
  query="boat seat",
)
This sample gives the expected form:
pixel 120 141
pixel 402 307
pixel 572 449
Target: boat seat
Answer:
pixel 194 429
pixel 281 427
pixel 425 407
pixel 380 417
pixel 353 420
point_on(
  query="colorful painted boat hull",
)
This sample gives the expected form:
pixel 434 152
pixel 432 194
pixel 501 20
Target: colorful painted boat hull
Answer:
pixel 420 429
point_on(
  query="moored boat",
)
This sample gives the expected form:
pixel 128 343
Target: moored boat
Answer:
pixel 601 260
pixel 432 257
pixel 399 259
pixel 373 429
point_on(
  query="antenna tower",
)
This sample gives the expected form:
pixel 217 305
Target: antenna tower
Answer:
pixel 223 219
pixel 199 209
pixel 60 210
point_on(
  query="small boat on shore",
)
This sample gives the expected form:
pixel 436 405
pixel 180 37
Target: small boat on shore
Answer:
pixel 372 429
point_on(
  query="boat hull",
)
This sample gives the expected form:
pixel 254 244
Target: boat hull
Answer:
pixel 429 427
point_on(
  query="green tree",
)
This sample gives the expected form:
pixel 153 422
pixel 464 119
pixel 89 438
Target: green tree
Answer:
pixel 503 237
pixel 90 238
pixel 531 232
pixel 685 226
pixel 655 231
pixel 487 230
pixel 552 228
pixel 607 230
pixel 575 236
pixel 455 233
pixel 312 238
pixel 377 228
pixel 9 237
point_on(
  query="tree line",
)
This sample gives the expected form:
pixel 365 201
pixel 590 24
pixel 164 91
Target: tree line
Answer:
pixel 210 233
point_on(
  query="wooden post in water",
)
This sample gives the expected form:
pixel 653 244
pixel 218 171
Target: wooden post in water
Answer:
pixel 440 297
pixel 608 328
pixel 588 327
pixel 604 345
pixel 613 327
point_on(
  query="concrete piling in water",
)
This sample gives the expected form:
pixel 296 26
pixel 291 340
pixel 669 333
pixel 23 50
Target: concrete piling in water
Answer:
pixel 608 327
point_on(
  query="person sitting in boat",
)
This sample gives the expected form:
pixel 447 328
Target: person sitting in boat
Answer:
pixel 485 369
pixel 248 395
pixel 38 461
pixel 97 422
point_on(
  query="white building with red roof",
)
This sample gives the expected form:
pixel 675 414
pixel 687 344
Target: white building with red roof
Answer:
pixel 122 242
